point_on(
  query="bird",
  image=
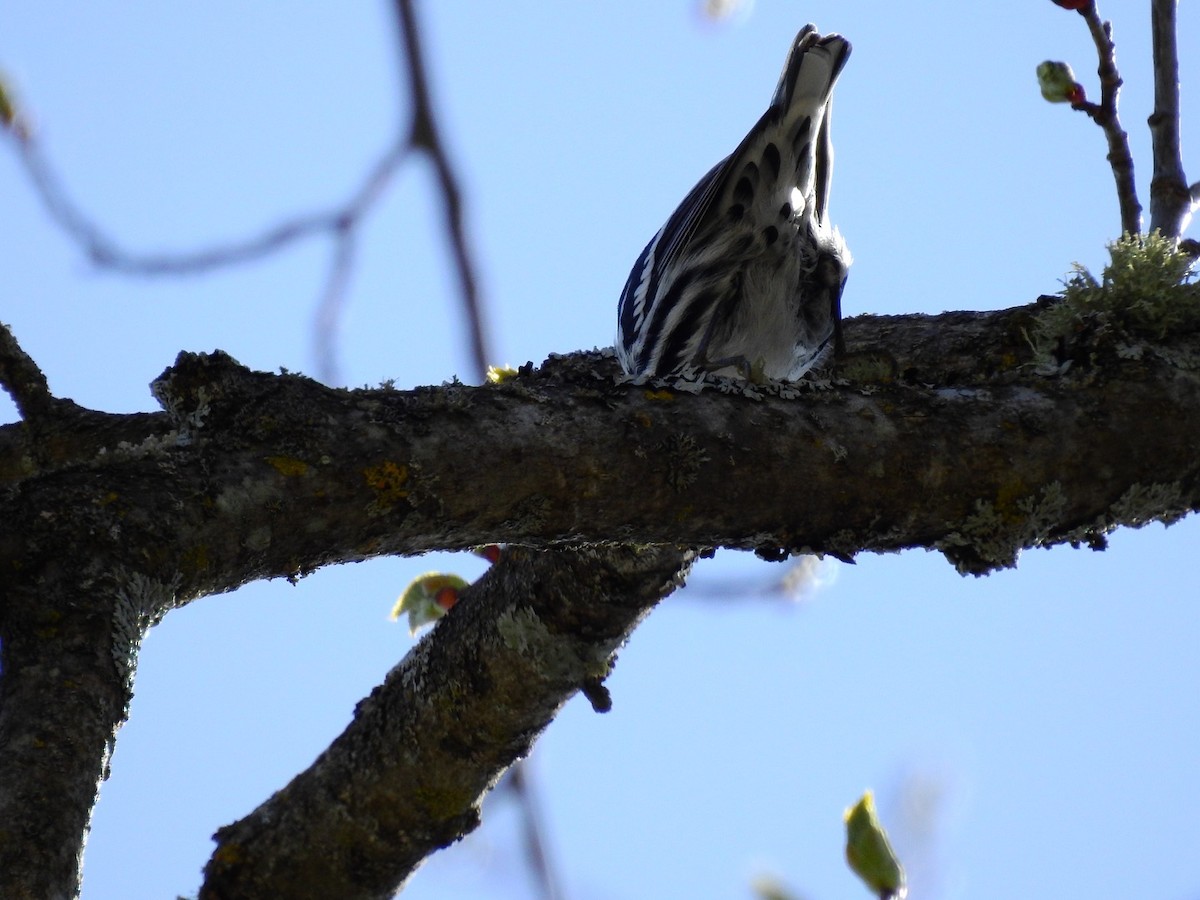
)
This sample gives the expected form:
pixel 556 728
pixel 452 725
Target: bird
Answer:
pixel 745 279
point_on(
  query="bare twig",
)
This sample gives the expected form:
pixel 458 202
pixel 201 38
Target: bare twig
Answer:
pixel 423 135
pixel 1105 115
pixel 329 310
pixel 21 377
pixel 1171 202
pixel 340 222
pixel 533 830
pixel 105 253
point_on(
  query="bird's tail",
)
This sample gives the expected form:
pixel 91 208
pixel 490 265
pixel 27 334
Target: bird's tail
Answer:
pixel 811 70
pixel 804 100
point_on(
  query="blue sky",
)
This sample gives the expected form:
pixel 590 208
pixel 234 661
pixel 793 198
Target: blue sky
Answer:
pixel 1045 716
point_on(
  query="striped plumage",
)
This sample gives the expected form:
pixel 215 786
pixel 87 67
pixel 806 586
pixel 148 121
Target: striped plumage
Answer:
pixel 746 276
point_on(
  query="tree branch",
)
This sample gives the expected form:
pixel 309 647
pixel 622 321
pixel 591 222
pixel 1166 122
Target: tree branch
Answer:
pixel 1171 204
pixel 467 702
pixel 563 455
pixel 341 222
pixel 21 377
pixel 105 253
pixel 945 432
pixel 533 829
pixel 424 135
pixel 1105 115
pixel 329 309
pixel 69 639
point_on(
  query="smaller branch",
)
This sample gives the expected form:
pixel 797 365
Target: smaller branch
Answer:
pixel 329 311
pixel 1105 115
pixel 1170 202
pixel 340 222
pixel 345 231
pixel 423 135
pixel 104 252
pixel 533 831
pixel 407 775
pixel 21 377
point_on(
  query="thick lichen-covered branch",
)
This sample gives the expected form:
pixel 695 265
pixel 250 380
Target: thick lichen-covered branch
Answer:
pixel 960 409
pixel 976 434
pixel 408 774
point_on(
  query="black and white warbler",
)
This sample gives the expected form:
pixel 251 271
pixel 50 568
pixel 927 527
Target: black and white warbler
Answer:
pixel 746 276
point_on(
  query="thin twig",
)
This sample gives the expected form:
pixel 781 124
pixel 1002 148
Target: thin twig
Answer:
pixel 1170 200
pixel 340 222
pixel 423 134
pixel 1105 115
pixel 104 252
pixel 533 830
pixel 21 377
pixel 329 310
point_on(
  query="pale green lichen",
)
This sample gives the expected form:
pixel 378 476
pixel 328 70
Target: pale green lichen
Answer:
pixel 1140 505
pixel 1181 357
pixel 189 420
pixel 992 538
pixel 150 445
pixel 1146 292
pixel 522 630
pixel 696 382
pixel 558 658
pixel 1145 503
pixel 684 458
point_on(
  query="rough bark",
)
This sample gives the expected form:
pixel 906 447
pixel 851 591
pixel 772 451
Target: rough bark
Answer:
pixel 940 432
pixel 408 774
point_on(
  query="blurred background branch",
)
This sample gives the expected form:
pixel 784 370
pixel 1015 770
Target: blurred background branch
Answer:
pixel 1171 203
pixel 340 223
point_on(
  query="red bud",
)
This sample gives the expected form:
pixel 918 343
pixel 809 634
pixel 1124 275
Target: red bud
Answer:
pixel 490 552
pixel 446 597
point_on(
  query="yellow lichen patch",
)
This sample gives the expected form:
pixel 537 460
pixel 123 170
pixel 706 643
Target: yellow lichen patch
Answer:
pixel 683 513
pixel 387 480
pixel 228 854
pixel 500 374
pixel 110 497
pixel 288 465
pixel 195 559
pixel 442 802
pixel 1008 498
pixel 658 395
